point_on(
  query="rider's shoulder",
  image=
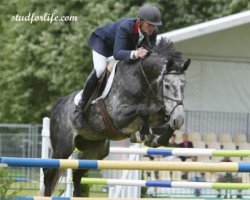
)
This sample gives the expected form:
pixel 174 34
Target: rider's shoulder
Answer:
pixel 126 21
pixel 126 24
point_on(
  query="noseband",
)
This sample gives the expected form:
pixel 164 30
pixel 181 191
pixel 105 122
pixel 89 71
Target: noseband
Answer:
pixel 177 101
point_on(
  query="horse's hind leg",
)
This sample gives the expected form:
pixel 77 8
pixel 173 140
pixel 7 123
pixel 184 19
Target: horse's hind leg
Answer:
pixel 95 150
pixel 77 176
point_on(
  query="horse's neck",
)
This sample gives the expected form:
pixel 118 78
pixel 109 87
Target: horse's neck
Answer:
pixel 130 83
pixel 152 69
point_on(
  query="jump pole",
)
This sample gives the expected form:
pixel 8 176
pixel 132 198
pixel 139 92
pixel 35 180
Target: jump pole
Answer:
pixel 166 184
pixel 127 165
pixel 90 198
pixel 181 152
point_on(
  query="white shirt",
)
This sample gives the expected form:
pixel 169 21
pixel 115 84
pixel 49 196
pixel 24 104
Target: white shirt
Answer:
pixel 141 37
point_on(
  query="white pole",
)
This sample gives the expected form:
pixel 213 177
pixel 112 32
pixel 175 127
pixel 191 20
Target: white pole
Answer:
pixel 45 145
pixel 128 191
pixel 136 175
pixel 111 191
pixel 125 174
pixel 68 191
pixel 132 157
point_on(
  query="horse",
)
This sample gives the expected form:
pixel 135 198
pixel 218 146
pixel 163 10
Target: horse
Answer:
pixel 146 95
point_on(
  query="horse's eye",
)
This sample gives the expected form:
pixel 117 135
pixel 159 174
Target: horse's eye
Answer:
pixel 167 86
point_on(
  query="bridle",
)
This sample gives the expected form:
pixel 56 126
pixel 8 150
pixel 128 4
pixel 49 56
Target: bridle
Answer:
pixel 177 101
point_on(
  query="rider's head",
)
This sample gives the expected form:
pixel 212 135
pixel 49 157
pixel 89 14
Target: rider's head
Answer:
pixel 150 18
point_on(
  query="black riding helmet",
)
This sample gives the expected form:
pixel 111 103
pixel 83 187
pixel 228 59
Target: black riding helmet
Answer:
pixel 151 14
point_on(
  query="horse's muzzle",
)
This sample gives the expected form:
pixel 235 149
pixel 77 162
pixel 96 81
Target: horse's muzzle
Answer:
pixel 177 118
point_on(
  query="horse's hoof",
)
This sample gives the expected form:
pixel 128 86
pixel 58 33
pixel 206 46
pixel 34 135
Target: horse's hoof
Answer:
pixel 136 138
pixel 154 143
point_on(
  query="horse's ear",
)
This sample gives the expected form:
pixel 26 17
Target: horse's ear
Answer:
pixel 186 64
pixel 169 65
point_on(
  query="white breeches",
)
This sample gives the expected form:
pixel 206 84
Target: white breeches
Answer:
pixel 100 63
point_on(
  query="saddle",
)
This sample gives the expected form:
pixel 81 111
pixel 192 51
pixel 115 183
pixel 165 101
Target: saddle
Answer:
pixel 112 132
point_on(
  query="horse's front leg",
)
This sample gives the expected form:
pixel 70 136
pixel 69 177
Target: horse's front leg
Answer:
pixel 142 111
pixel 143 134
pixel 161 136
pixel 137 110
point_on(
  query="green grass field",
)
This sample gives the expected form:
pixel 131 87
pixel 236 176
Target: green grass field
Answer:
pixel 25 190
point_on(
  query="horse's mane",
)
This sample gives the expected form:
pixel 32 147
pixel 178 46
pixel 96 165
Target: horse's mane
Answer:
pixel 161 53
pixel 166 49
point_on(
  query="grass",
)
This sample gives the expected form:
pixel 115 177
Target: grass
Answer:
pixel 31 189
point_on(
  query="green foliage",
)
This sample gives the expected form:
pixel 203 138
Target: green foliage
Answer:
pixel 5 184
pixel 179 14
pixel 42 61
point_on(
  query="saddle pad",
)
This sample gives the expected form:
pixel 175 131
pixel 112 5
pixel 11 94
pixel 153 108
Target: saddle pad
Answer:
pixel 106 89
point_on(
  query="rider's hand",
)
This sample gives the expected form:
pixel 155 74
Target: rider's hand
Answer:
pixel 141 53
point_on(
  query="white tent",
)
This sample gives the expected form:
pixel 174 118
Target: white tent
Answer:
pixel 219 76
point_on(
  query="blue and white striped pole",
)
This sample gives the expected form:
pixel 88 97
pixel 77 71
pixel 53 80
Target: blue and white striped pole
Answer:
pixel 181 152
pixel 168 184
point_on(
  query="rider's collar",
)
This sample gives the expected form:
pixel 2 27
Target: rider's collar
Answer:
pixel 137 25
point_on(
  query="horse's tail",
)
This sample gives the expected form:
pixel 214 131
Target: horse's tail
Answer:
pixel 56 177
pixel 53 183
pixel 55 180
pixel 58 173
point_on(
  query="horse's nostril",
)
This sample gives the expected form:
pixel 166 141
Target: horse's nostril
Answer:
pixel 175 122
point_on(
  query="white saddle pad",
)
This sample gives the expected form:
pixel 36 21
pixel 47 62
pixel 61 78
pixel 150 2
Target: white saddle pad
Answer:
pixel 105 91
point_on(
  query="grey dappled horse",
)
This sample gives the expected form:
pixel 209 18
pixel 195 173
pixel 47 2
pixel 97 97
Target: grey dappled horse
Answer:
pixel 146 95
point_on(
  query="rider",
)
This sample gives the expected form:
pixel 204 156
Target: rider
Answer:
pixel 119 39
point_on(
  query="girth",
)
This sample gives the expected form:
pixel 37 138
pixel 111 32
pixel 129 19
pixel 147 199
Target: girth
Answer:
pixel 112 132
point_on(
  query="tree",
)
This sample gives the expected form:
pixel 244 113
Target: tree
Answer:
pixel 41 61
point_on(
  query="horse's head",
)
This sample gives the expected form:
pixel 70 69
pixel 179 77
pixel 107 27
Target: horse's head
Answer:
pixel 173 88
pixel 173 81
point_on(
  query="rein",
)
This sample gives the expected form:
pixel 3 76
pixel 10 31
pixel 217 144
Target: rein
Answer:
pixel 146 79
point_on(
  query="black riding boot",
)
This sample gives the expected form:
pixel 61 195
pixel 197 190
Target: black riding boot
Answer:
pixel 88 90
